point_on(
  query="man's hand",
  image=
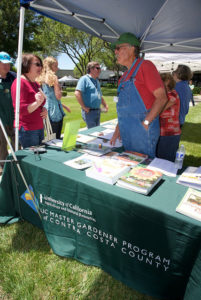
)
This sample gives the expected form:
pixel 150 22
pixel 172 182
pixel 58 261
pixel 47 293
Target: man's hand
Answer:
pixel 115 136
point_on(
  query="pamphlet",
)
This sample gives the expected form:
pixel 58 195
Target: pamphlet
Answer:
pixel 190 204
pixel 140 180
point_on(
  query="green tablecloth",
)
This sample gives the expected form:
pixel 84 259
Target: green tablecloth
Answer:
pixel 140 240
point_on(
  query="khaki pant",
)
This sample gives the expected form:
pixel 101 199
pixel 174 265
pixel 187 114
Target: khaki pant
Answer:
pixel 3 143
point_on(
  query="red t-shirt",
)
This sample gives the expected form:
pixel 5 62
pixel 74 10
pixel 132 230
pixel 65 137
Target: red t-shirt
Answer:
pixel 30 121
pixel 147 81
pixel 169 119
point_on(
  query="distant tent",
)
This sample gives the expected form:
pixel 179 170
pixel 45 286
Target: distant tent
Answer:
pixel 69 79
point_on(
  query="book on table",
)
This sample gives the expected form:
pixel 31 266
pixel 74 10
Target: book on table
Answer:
pixel 107 170
pixel 82 162
pixel 131 158
pixel 191 177
pixel 165 166
pixel 140 179
pixel 190 204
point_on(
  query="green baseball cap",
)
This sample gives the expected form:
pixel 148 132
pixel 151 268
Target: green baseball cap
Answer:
pixel 126 38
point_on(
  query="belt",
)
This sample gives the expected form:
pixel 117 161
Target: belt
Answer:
pixel 94 108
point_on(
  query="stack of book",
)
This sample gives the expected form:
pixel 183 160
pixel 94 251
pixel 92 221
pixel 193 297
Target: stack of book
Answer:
pixel 191 177
pixel 107 170
pixel 140 180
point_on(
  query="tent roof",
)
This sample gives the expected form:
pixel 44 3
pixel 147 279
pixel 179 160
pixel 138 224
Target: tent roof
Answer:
pixel 168 62
pixel 161 25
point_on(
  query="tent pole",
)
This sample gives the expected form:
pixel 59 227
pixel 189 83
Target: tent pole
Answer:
pixel 19 63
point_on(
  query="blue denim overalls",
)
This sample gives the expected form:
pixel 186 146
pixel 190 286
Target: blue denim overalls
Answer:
pixel 131 113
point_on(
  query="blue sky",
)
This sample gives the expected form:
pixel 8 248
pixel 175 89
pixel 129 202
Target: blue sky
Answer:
pixel 64 62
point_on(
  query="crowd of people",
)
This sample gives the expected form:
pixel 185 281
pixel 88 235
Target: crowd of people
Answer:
pixel 151 108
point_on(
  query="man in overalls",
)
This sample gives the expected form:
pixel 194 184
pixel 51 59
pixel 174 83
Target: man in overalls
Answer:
pixel 141 97
pixel 6 106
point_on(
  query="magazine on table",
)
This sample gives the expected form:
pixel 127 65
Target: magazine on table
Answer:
pixel 82 162
pixel 107 170
pixel 140 180
pixel 165 166
pixel 191 177
pixel 190 204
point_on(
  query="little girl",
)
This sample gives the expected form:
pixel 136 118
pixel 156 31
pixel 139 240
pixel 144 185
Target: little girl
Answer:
pixel 52 90
pixel 170 131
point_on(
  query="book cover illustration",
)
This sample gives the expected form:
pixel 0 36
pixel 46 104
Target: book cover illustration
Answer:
pixel 190 204
pixel 140 179
pixel 131 158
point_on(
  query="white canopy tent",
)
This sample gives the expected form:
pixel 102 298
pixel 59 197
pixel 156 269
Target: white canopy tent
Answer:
pixel 166 62
pixel 165 26
pixel 68 79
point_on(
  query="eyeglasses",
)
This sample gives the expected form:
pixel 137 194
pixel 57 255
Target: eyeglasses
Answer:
pixel 118 47
pixel 37 64
pixel 98 68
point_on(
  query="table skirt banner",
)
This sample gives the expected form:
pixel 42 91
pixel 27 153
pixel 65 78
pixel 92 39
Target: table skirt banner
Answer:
pixel 140 240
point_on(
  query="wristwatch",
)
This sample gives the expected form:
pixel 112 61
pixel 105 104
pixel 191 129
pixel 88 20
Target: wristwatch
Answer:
pixel 146 122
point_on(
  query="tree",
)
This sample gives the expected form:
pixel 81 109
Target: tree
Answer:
pixel 9 29
pixel 58 38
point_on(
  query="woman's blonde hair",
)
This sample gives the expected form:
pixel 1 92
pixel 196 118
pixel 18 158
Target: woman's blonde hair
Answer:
pixel 48 75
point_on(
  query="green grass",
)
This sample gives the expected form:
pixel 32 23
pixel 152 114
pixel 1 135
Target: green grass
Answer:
pixel 30 270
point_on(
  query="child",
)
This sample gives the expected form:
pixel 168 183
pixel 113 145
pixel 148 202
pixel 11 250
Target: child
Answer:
pixel 51 88
pixel 170 131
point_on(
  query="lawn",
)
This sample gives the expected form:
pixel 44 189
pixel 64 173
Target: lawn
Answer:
pixel 29 270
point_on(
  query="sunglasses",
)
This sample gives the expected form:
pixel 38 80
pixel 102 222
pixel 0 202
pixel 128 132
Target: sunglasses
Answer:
pixel 121 46
pixel 37 64
pixel 98 68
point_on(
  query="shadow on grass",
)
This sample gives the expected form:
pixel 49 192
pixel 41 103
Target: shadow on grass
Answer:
pixel 106 287
pixel 28 238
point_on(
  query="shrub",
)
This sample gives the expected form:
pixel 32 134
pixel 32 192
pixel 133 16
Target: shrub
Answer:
pixel 196 90
pixel 64 93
